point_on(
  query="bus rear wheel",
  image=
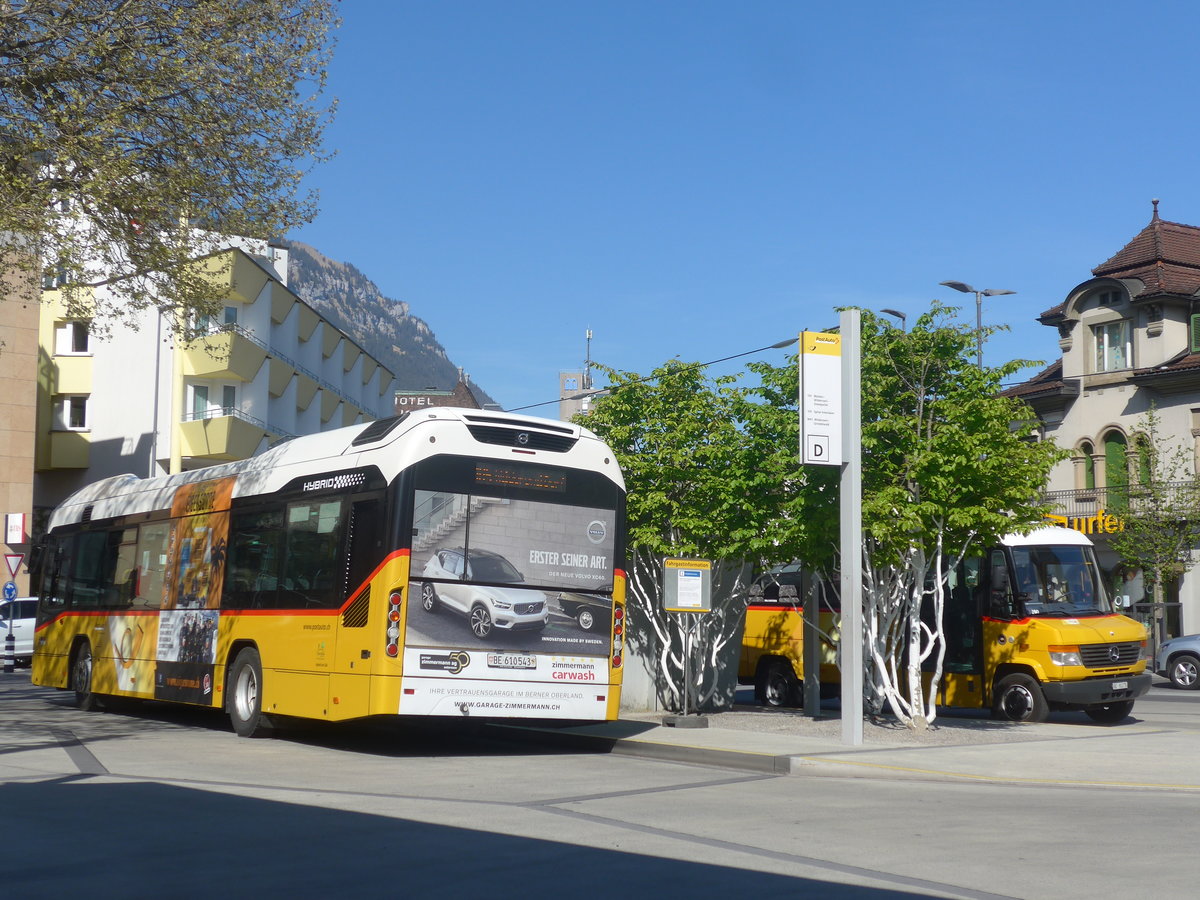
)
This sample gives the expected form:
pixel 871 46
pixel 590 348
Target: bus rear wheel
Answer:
pixel 1019 698
pixel 244 698
pixel 81 678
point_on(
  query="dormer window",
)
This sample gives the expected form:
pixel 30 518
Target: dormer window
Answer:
pixel 1108 298
pixel 1113 348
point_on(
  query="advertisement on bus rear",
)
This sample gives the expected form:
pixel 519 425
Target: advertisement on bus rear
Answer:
pixel 510 574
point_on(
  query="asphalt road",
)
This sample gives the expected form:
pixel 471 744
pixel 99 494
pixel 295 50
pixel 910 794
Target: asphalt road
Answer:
pixel 160 801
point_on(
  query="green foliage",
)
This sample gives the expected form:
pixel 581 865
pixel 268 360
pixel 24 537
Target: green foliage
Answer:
pixel 689 468
pixel 942 450
pixel 131 127
pixel 1162 508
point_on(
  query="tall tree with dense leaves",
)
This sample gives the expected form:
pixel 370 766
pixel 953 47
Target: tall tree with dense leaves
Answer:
pixel 694 491
pixel 134 129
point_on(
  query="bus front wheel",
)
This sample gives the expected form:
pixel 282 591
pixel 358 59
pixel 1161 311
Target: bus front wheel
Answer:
pixel 1019 698
pixel 81 678
pixel 244 699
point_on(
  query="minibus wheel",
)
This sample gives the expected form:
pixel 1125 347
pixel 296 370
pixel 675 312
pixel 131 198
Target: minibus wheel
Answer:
pixel 1019 698
pixel 776 684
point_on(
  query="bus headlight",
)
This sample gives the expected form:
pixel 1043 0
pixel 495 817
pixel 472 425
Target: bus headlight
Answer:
pixel 1064 655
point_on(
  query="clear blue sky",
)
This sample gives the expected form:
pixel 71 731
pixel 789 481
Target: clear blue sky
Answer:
pixel 697 179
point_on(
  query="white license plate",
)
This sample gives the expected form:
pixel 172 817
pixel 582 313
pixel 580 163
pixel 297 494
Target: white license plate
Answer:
pixel 1120 685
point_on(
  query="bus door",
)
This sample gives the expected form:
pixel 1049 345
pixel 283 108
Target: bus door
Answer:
pixel 962 624
pixel 359 642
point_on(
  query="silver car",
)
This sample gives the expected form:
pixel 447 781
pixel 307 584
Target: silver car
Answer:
pixel 1179 660
pixel 476 585
pixel 19 614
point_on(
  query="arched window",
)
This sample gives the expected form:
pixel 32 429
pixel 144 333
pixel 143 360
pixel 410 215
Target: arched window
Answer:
pixel 1116 470
pixel 1087 466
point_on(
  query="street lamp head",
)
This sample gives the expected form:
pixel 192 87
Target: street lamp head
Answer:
pixel 992 292
pixel 959 286
pixel 899 315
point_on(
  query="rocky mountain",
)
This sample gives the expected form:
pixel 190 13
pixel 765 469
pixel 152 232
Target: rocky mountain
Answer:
pixel 383 327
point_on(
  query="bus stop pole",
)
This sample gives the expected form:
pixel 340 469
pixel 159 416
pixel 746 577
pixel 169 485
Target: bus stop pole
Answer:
pixel 851 528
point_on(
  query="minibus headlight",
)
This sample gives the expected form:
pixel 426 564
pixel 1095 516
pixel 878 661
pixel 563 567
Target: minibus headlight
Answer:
pixel 1064 655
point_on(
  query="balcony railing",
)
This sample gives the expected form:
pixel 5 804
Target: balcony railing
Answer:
pixel 271 351
pixel 1089 502
pixel 216 412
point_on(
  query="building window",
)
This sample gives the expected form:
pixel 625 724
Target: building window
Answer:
pixel 1113 350
pixel 1109 298
pixel 231 314
pixel 1088 467
pixel 71 337
pixel 202 401
pixel 70 412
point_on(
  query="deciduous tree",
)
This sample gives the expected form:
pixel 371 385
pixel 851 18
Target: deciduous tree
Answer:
pixel 132 129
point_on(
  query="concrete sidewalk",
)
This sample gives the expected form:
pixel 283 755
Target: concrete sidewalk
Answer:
pixel 1129 755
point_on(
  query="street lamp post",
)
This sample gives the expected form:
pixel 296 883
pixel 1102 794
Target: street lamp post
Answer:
pixel 979 295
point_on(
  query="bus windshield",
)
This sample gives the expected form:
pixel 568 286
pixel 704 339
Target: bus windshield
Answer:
pixel 1061 581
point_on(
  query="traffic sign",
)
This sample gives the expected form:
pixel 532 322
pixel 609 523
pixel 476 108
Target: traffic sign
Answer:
pixel 10 590
pixel 14 561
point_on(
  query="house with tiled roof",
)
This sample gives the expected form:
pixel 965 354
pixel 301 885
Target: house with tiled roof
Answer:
pixel 1130 338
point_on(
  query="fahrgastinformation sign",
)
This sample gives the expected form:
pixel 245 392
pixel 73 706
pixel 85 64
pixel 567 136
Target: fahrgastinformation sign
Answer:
pixel 687 585
pixel 820 398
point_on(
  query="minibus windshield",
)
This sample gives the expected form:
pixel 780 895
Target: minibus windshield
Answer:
pixel 1059 581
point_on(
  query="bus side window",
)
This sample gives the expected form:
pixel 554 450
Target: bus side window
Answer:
pixel 252 566
pixel 1000 603
pixel 51 584
pixel 153 547
pixel 94 560
pixel 312 569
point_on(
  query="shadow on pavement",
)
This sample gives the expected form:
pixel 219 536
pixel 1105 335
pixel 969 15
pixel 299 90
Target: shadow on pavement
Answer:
pixel 147 840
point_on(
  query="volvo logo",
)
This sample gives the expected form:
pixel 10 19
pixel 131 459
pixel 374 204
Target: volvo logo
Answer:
pixel 523 438
pixel 1114 653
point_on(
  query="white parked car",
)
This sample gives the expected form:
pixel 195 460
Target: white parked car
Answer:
pixel 478 588
pixel 22 612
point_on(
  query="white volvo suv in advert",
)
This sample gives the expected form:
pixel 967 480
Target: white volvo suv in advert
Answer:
pixel 483 587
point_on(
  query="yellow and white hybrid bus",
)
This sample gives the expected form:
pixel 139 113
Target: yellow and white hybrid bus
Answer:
pixel 443 562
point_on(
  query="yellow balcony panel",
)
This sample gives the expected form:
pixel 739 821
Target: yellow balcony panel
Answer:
pixel 241 277
pixel 228 354
pixel 224 438
pixel 330 340
pixel 306 389
pixel 368 369
pixel 350 356
pixel 329 403
pixel 281 375
pixel 71 375
pixel 308 322
pixel 282 302
pixel 350 414
pixel 70 449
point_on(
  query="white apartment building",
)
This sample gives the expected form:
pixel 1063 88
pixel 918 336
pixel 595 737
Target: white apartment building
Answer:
pixel 1130 337
pixel 143 403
